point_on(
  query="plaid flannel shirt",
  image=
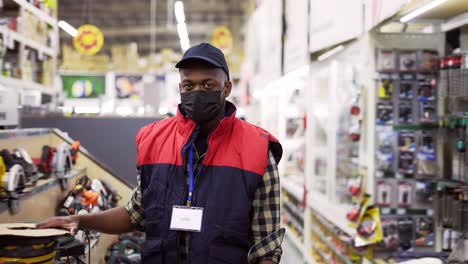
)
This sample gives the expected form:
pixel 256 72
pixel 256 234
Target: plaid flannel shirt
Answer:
pixel 266 233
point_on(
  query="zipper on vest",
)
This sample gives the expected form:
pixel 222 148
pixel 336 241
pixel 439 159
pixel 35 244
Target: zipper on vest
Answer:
pixel 203 164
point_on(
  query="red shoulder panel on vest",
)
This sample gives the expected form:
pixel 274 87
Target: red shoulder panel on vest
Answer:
pixel 159 143
pixel 245 147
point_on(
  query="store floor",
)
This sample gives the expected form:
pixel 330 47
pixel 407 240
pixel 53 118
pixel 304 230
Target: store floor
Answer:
pixel 291 255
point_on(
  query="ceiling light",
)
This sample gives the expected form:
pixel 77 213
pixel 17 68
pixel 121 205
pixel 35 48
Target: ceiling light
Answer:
pixel 330 53
pixel 423 9
pixel 68 28
pixel 179 11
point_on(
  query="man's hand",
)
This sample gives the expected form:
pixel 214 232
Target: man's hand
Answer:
pixel 67 222
pixel 113 221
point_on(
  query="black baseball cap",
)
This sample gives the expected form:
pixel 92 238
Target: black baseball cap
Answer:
pixel 207 53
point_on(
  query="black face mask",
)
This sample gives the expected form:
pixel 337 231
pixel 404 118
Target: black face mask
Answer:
pixel 201 106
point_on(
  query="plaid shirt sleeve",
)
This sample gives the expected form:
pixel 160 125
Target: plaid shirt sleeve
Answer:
pixel 135 209
pixel 266 220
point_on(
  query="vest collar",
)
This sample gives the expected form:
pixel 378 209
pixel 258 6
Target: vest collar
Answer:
pixel 185 125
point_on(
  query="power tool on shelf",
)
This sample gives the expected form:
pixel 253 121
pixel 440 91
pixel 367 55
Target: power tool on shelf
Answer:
pixel 14 178
pixel 63 161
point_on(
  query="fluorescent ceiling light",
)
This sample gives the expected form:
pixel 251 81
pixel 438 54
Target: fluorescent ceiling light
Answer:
pixel 181 26
pixel 421 10
pixel 182 30
pixel 179 11
pixel 455 22
pixel 68 28
pixel 330 53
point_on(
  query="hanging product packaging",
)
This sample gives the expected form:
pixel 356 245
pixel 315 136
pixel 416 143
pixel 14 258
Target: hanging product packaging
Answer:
pixel 406 89
pixel 408 61
pixel 385 113
pixel 387 61
pixel 390 233
pixel 406 141
pixel 369 230
pixel 405 113
pixel 424 231
pixel 405 198
pixel 386 88
pixel 427 112
pixel 385 149
pixel 357 213
pixel 427 91
pixel 384 193
pixel 406 163
pixel 426 158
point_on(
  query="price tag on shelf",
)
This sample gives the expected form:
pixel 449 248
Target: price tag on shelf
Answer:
pixel 401 211
pixel 386 210
pixel 398 175
pixel 379 174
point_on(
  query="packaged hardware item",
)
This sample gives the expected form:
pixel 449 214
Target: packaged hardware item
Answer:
pixel 405 113
pixel 406 89
pixel 428 60
pixel 423 191
pixel 406 141
pixel 357 213
pixel 424 231
pixel 385 113
pixel 390 233
pixel 384 193
pixel 427 159
pixel 386 88
pixel 405 194
pixel 406 233
pixel 408 61
pixel 369 230
pixel 406 163
pixel 387 61
pixel 427 85
pixel 427 112
pixel 385 149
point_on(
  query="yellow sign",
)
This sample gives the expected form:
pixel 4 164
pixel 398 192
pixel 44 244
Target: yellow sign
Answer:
pixel 89 40
pixel 222 39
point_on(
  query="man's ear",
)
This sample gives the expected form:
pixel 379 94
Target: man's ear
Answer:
pixel 228 87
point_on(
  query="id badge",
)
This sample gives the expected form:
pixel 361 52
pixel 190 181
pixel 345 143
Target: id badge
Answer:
pixel 186 218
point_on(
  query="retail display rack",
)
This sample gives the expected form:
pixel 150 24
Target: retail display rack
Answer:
pixel 29 43
pixel 384 178
pixel 44 173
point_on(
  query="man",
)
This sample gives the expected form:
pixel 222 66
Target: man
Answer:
pixel 208 188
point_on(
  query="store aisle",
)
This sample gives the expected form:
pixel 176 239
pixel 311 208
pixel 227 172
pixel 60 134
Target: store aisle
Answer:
pixel 291 255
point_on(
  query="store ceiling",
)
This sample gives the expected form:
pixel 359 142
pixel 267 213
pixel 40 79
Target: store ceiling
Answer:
pixel 129 21
pixel 444 11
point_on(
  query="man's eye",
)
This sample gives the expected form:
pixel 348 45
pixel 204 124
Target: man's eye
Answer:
pixel 208 86
pixel 188 86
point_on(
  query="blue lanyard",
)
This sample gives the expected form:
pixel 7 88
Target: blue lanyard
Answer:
pixel 190 195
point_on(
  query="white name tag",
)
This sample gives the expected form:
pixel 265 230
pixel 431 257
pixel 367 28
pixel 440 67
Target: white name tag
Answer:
pixel 186 218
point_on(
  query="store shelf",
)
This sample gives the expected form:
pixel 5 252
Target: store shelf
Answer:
pixel 15 36
pixel 324 256
pixel 335 213
pixel 294 239
pixel 25 85
pixel 37 12
pixel 293 188
pixel 25 132
pixel 330 245
pixel 42 186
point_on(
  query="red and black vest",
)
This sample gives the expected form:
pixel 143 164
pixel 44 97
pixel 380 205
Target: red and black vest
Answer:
pixel 231 171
